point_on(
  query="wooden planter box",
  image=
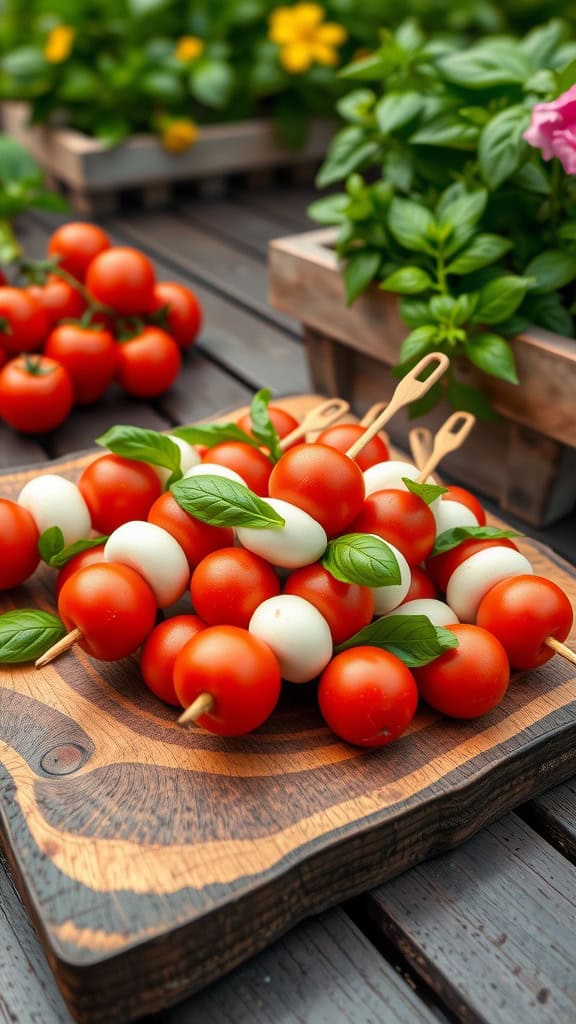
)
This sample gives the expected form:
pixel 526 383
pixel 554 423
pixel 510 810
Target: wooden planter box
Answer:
pixel 526 461
pixel 92 173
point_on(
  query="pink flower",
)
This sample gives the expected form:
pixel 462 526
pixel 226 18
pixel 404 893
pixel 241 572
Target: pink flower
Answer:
pixel 553 129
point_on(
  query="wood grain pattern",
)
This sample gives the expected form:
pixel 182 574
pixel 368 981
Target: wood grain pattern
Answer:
pixel 160 859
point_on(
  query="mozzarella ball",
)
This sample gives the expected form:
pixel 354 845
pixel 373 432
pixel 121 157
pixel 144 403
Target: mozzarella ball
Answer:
pixel 449 514
pixel 437 611
pixel 52 500
pixel 300 541
pixel 473 579
pixel 189 457
pixel 213 469
pixel 153 553
pixel 387 598
pixel 385 476
pixel 297 633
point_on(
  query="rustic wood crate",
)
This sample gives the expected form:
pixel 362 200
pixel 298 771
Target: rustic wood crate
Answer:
pixel 94 176
pixel 526 461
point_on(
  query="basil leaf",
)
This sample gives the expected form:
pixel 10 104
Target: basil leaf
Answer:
pixel 50 543
pixel 143 446
pixel 428 492
pixel 410 223
pixel 362 558
pixel 492 354
pixel 210 434
pixel 502 147
pixel 62 557
pixel 222 502
pixel 500 298
pixel 419 342
pixel 452 538
pixel 26 633
pixel 407 281
pixel 411 638
pixel 396 109
pixel 360 270
pixel 483 250
pixel 262 426
pixel 552 269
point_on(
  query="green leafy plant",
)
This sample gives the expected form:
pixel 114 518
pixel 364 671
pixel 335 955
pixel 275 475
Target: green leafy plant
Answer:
pixel 21 189
pixel 447 205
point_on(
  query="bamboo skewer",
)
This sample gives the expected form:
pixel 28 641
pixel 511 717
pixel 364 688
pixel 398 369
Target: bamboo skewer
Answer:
pixel 318 418
pixel 201 706
pixel 421 444
pixel 59 648
pixel 451 435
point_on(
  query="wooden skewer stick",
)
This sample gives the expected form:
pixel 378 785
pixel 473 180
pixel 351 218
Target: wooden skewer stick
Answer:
pixel 409 389
pixel 201 706
pixel 58 648
pixel 451 435
pixel 421 444
pixel 371 413
pixel 318 418
pixel 561 649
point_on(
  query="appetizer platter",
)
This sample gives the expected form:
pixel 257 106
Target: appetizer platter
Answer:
pixel 263 665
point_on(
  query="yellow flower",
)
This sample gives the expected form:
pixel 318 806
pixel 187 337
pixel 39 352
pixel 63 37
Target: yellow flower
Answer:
pixel 59 43
pixel 188 48
pixel 304 37
pixel 177 136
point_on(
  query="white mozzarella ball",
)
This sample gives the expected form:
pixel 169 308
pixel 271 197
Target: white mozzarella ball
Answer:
pixel 449 514
pixel 213 469
pixel 473 579
pixel 387 598
pixel 385 476
pixel 297 633
pixel 52 500
pixel 155 554
pixel 439 613
pixel 300 541
pixel 189 457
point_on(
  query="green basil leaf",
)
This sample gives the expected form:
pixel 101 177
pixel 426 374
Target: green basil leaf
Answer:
pixel 212 81
pixel 447 130
pixel 396 109
pixel 50 543
pixel 26 633
pixel 357 106
pixel 483 250
pixel 143 445
pixel 541 43
pixel 414 312
pixel 502 148
pixel 222 502
pixel 452 538
pixel 418 343
pixel 368 69
pixel 62 557
pixel 407 281
pixel 428 492
pixel 362 558
pixel 494 62
pixel 550 312
pixel 410 224
pixel 262 426
pixel 500 298
pixel 348 151
pixel 462 213
pixel 493 355
pixel 411 638
pixel 359 272
pixel 566 76
pixel 552 269
pixel 210 434
pixel 329 209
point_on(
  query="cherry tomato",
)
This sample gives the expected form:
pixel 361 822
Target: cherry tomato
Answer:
pixel 402 519
pixel 184 318
pixel 228 585
pixel 421 586
pixel 118 490
pixel 253 465
pixel 111 605
pixel 466 498
pixel 76 244
pixel 19 554
pixel 160 651
pixel 347 607
pixel 196 539
pixel 239 672
pixel 89 355
pixel 149 363
pixel 91 556
pixel 321 481
pixel 122 278
pixel 367 696
pixel 23 322
pixel 59 300
pixel 36 394
pixel 283 422
pixel 522 613
pixel 441 567
pixel 468 680
pixel 343 435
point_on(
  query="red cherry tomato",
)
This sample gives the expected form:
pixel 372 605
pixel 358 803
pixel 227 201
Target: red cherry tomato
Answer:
pixel 122 278
pixel 465 498
pixel 253 465
pixel 441 567
pixel 240 673
pixel 367 696
pixel 420 585
pixel 184 318
pixel 468 680
pixel 283 422
pixel 196 539
pixel 228 585
pixel 36 394
pixel 522 613
pixel 92 556
pixel 111 605
pixel 160 651
pixel 343 435
pixel 347 607
pixel 402 519
pixel 18 544
pixel 321 481
pixel 117 491
pixel 59 300
pixel 23 322
pixel 148 363
pixel 76 244
pixel 89 355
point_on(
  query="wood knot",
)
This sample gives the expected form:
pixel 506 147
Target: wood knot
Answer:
pixel 64 759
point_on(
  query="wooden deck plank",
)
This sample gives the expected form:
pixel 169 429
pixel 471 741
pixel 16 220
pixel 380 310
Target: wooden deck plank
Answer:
pixel 201 390
pixel 245 228
pixel 287 205
pixel 19 449
pixel 553 815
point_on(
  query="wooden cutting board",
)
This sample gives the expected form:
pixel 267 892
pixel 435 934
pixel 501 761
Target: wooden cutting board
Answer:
pixel 153 859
